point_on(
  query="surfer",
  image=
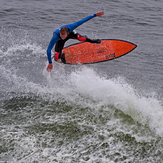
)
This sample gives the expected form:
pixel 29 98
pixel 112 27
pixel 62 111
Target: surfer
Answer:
pixel 62 34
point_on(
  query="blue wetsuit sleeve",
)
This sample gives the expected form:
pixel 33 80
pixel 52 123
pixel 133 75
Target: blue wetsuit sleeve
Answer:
pixel 80 22
pixel 54 39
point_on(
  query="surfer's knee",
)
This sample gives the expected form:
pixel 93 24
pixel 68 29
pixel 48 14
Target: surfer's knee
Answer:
pixel 81 38
pixel 56 56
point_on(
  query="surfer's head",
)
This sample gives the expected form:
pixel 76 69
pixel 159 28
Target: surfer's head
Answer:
pixel 63 33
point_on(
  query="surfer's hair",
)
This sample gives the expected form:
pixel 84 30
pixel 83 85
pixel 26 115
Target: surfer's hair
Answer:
pixel 63 30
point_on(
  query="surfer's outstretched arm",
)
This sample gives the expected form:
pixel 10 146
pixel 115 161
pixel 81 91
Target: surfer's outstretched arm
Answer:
pixel 80 22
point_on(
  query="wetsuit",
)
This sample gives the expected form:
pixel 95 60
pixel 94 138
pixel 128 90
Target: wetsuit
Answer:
pixel 71 34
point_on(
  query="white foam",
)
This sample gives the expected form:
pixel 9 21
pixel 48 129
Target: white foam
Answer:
pixel 86 87
pixel 15 50
pixel 117 92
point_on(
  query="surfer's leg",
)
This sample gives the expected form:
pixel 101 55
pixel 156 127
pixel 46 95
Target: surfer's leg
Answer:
pixel 86 39
pixel 98 41
pixel 56 56
pixel 63 58
pixel 79 37
pixel 76 35
pixel 58 49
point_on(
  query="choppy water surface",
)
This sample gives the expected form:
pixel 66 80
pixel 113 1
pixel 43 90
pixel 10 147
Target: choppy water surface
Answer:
pixel 105 112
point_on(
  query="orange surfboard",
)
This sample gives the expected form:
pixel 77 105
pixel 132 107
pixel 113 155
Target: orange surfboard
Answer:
pixel 86 52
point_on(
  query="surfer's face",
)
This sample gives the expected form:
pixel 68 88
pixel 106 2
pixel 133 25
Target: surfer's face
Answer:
pixel 63 36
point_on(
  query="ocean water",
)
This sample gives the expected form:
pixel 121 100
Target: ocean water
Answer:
pixel 97 113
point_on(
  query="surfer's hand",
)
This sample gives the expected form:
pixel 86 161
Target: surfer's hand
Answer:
pixel 50 67
pixel 100 13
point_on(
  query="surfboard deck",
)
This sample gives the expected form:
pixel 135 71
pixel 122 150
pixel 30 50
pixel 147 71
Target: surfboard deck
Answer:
pixel 85 52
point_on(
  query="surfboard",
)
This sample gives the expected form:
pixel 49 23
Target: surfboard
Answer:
pixel 85 52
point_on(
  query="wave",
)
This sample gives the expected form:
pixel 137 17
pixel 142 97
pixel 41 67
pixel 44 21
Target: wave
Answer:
pixel 83 86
